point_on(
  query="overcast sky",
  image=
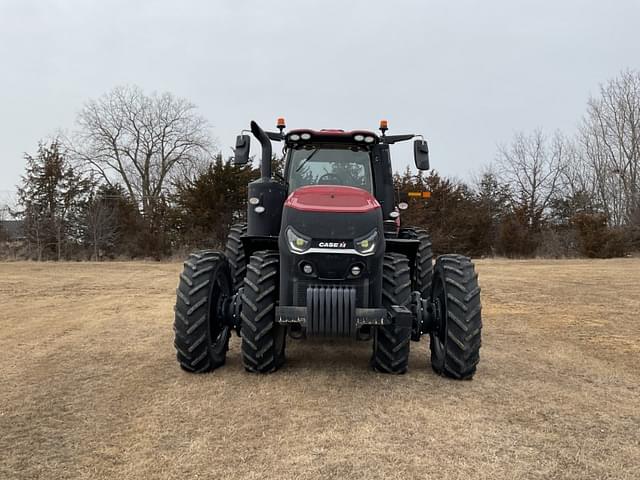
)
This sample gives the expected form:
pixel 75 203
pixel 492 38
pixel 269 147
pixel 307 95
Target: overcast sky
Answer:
pixel 466 74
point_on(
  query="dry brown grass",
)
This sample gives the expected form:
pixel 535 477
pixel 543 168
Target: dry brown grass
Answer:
pixel 90 387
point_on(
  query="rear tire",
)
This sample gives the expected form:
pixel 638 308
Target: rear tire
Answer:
pixel 423 268
pixel 201 338
pixel 234 250
pixel 391 343
pixel 422 275
pixel 263 340
pixel 455 343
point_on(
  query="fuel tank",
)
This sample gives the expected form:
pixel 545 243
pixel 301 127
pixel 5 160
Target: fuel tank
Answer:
pixel 271 196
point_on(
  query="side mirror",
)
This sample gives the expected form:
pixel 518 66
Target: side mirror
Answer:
pixel 421 154
pixel 241 152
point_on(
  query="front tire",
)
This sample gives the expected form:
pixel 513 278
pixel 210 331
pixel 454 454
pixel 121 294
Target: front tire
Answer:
pixel 390 342
pixel 201 337
pixel 263 340
pixel 456 340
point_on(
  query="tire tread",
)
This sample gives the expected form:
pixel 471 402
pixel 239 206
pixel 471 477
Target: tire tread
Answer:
pixel 464 318
pixel 234 250
pixel 261 336
pixel 195 351
pixel 391 343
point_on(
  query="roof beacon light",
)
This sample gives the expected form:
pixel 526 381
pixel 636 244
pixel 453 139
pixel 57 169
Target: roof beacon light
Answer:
pixel 281 124
pixel 384 126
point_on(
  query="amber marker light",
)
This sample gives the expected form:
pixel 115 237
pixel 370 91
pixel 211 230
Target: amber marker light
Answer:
pixel 384 126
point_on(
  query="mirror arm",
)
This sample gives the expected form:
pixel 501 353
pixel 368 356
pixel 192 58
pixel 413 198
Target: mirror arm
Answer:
pixel 275 136
pixel 391 139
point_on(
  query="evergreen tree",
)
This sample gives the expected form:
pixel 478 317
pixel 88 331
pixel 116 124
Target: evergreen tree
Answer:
pixel 206 206
pixel 51 196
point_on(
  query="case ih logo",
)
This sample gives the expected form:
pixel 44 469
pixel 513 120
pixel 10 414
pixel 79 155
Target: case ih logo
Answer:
pixel 332 244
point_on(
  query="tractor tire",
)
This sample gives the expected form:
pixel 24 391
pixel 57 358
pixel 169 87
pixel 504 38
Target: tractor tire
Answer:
pixel 201 337
pixel 263 340
pixel 456 340
pixel 234 251
pixel 423 266
pixel 391 343
pixel 422 274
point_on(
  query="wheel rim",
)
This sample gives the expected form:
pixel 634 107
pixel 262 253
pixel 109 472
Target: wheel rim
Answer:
pixel 219 296
pixel 439 305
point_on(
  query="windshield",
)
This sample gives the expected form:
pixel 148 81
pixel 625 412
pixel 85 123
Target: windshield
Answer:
pixel 330 166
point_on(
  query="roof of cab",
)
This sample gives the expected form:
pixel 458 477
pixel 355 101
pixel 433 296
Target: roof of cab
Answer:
pixel 331 134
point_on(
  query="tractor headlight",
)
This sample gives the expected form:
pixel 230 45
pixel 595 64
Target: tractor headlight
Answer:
pixel 367 245
pixel 297 243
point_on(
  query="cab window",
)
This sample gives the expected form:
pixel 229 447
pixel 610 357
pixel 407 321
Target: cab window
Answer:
pixel 330 166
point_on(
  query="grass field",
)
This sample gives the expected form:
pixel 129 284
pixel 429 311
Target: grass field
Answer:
pixel 89 386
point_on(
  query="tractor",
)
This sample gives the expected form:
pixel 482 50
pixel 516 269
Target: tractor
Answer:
pixel 323 253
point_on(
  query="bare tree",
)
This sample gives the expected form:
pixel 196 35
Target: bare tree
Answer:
pixel 100 222
pixel 139 140
pixel 576 177
pixel 532 166
pixel 610 136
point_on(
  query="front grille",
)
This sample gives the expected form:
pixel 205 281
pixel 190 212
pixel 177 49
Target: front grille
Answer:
pixel 300 291
pixel 331 310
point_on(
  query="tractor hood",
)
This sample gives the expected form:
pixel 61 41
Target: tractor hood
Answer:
pixel 332 199
pixel 331 214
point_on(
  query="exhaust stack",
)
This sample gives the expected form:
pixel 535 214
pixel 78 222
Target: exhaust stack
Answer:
pixel 266 195
pixel 265 161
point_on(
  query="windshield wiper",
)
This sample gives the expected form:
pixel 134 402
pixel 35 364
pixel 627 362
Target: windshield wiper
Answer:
pixel 315 150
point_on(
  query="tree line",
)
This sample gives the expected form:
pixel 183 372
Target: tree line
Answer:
pixel 140 179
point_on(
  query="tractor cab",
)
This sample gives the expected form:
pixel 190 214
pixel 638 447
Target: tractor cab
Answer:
pixel 332 157
pixel 329 157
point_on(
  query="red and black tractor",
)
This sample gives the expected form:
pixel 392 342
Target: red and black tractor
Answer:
pixel 323 253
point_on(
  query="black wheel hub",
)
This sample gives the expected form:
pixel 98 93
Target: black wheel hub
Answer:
pixel 436 315
pixel 422 316
pixel 220 309
pixel 228 310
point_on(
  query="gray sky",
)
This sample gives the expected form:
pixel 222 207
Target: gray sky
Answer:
pixel 466 74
